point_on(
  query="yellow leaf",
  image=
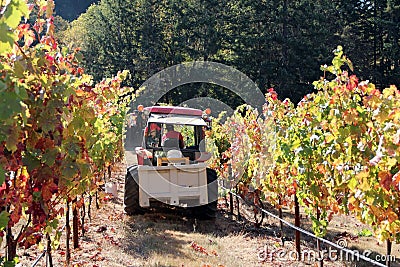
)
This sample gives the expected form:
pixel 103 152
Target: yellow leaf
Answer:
pixel 365 186
pixel 329 138
pixel 382 116
pixel 390 163
pixel 362 177
pixel 389 91
pixel 40 246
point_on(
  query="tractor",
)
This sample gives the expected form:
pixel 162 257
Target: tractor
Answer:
pixel 171 162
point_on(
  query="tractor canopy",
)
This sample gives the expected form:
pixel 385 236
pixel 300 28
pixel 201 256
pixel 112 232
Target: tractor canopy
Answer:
pixel 174 110
pixel 176 119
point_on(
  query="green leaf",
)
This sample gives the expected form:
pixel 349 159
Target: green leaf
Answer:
pixel 9 22
pixel 11 142
pixel 3 86
pixel 365 232
pixel 20 90
pixel 12 15
pixel 64 51
pixel 4 218
pixel 2 175
pixel 79 56
pixel 6 38
pixel 50 156
pixel 9 105
pixel 314 189
pixel 84 168
pixel 69 171
pixel 19 69
pixel 31 161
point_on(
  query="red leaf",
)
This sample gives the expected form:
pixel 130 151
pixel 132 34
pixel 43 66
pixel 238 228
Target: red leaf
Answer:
pixel 396 180
pixel 353 83
pixel 48 190
pixel 385 179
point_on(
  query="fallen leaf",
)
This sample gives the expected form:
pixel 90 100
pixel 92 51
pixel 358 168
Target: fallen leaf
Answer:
pixel 198 248
pixel 214 253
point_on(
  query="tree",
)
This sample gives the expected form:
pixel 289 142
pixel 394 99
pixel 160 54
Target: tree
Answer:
pixel 269 41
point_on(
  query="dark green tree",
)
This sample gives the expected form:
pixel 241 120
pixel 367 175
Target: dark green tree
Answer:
pixel 278 44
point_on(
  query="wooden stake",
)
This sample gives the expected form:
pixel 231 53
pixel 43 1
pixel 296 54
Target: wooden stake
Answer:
pixel 48 251
pixel 238 209
pixel 297 223
pixel 388 252
pixel 231 203
pixel 75 224
pixel 89 207
pixel 68 236
pixel 321 260
pixel 280 214
pixel 83 215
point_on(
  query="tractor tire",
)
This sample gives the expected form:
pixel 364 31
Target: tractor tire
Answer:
pixel 209 211
pixel 131 193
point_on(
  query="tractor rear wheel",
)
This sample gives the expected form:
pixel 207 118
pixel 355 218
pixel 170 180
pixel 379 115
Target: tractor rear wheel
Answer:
pixel 131 193
pixel 209 211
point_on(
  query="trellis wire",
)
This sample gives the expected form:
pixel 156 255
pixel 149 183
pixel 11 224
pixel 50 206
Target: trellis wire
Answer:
pixel 332 244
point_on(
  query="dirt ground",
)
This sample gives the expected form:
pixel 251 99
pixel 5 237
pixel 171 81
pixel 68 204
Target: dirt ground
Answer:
pixel 174 237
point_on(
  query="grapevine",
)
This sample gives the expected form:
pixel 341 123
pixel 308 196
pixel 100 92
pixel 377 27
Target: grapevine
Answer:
pixel 59 132
pixel 337 151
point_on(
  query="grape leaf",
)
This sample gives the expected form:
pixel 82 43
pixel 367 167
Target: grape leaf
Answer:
pixel 6 38
pixel 50 156
pixel 4 218
pixel 2 175
pixel 9 105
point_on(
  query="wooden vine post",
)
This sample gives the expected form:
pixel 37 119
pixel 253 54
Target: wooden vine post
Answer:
pixel 48 251
pixel 388 253
pixel 297 224
pixel 68 236
pixel 75 223
pixel 83 214
pixel 319 249
pixel 280 214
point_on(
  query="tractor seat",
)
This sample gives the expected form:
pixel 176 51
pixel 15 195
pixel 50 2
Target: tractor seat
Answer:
pixel 171 143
